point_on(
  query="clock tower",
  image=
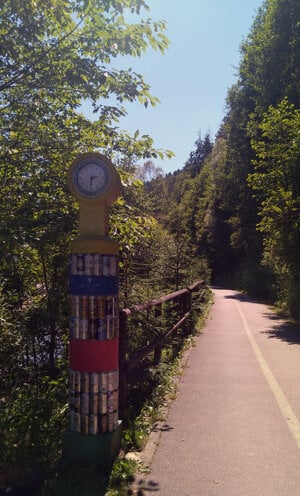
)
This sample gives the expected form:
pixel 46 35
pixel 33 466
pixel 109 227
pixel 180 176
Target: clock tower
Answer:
pixel 94 430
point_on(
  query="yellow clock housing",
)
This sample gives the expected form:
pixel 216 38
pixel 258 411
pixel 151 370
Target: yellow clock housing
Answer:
pixel 95 183
pixel 93 179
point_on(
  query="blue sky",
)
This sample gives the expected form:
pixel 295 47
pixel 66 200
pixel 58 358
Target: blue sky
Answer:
pixel 193 76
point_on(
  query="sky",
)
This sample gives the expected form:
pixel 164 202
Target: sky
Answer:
pixel 192 78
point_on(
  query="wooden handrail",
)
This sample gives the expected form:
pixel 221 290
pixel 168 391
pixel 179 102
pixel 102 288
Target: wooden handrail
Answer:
pixel 126 365
pixel 143 352
pixel 162 299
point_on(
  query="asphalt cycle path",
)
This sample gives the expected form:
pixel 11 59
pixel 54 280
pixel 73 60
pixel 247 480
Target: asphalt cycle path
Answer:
pixel 234 429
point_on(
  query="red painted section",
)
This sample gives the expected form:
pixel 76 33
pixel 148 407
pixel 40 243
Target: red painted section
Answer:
pixel 94 356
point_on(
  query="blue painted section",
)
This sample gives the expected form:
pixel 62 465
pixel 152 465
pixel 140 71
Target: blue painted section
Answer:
pixel 93 285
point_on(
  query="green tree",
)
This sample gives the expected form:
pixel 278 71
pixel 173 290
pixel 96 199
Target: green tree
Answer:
pixel 276 182
pixel 269 66
pixel 203 148
pixel 209 210
pixel 268 71
pixel 55 55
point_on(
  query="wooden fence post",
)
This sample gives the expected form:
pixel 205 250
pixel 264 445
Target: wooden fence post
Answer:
pixel 157 351
pixel 178 303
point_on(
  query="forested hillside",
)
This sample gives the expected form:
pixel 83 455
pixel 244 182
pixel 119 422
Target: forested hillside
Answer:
pixel 237 202
pixel 232 211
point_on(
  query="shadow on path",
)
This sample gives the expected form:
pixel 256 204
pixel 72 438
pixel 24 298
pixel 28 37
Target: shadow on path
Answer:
pixel 162 428
pixel 241 297
pixel 149 486
pixel 288 332
pixel 285 331
pixel 142 486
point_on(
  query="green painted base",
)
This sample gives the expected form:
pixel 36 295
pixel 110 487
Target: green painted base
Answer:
pixel 99 450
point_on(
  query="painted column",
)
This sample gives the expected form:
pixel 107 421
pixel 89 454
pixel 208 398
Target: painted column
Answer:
pixel 94 429
pixel 94 342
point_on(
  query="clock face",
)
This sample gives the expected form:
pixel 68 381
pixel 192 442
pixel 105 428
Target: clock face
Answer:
pixel 91 177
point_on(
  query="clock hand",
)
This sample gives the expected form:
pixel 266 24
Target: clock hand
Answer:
pixel 91 180
pixel 93 177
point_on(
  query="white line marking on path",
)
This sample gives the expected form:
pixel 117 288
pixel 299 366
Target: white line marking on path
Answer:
pixel 282 401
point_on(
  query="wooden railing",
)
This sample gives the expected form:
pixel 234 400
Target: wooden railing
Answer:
pixel 177 307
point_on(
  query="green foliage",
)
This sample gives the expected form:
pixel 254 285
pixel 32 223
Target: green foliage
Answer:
pixel 122 475
pixel 197 157
pixel 54 56
pixel 276 182
pixel 79 480
pixel 142 415
pixel 269 67
pixel 33 414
